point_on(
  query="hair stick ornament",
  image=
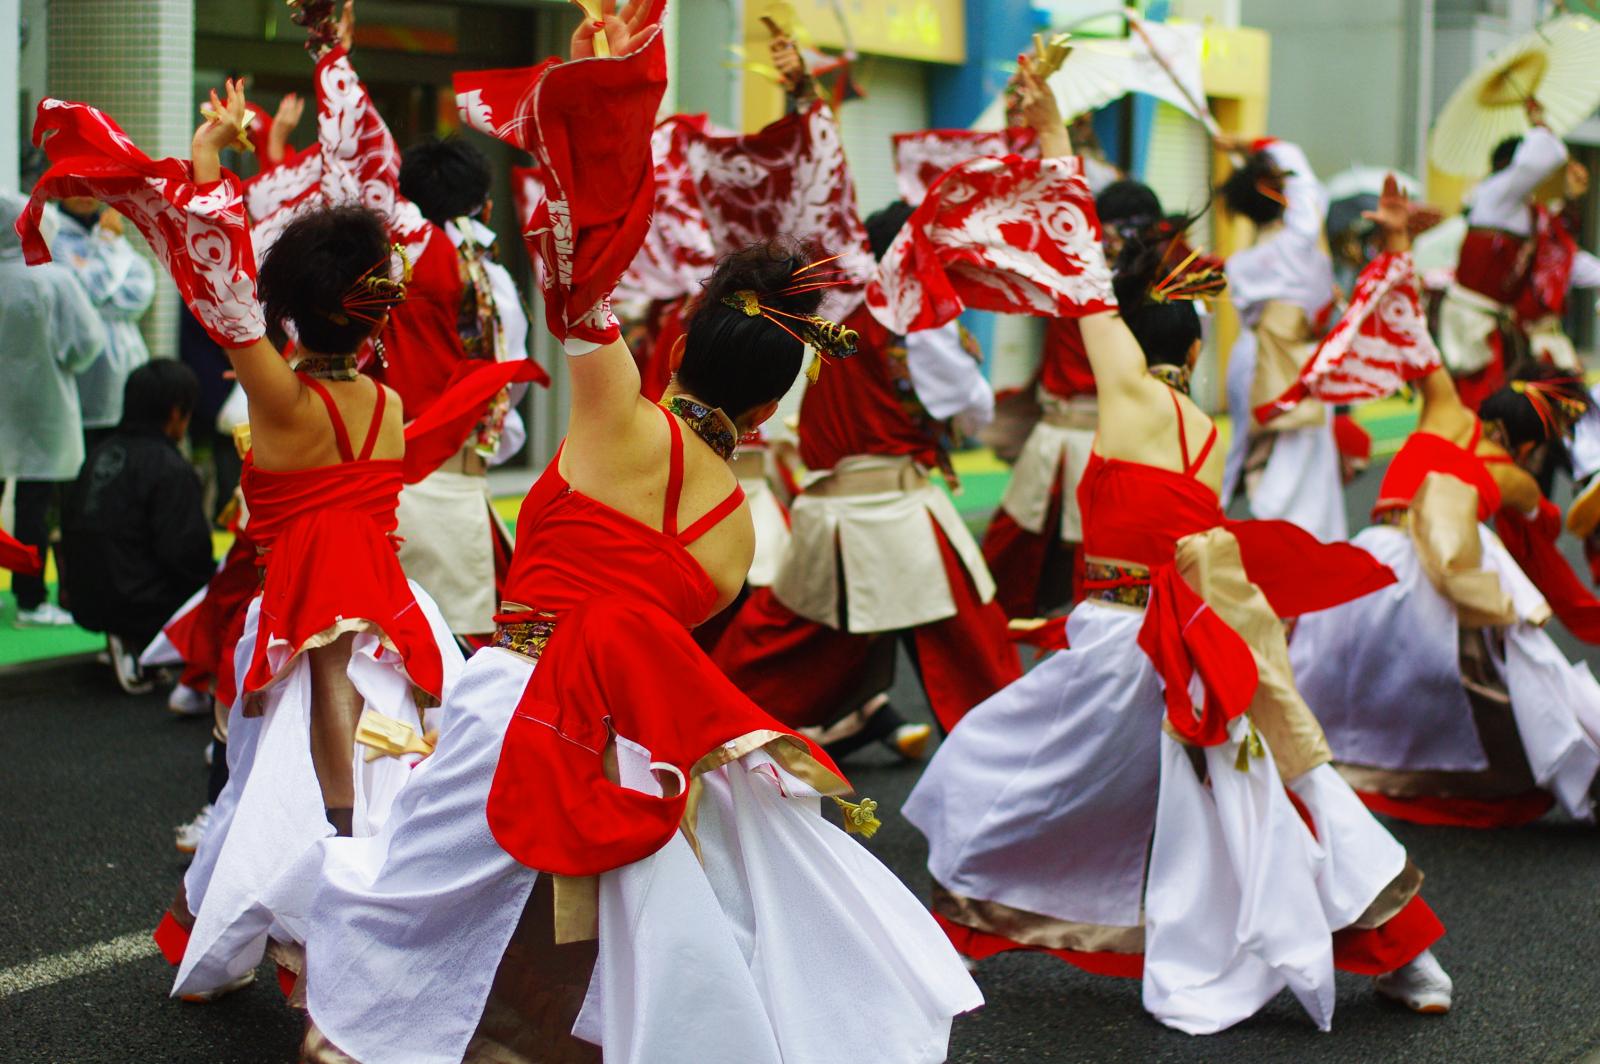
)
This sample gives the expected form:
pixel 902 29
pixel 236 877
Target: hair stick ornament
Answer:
pixel 1207 282
pixel 374 293
pixel 827 339
pixel 1552 400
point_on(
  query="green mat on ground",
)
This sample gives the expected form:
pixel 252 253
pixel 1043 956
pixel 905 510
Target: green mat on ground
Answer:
pixel 18 645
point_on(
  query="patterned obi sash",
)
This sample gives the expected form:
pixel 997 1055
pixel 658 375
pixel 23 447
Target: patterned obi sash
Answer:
pixel 1122 585
pixel 526 637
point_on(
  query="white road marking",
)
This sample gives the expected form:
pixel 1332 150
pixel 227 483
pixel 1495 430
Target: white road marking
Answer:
pixel 47 971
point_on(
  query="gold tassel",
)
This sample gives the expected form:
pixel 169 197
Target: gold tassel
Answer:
pixel 814 370
pixel 859 818
pixel 1250 746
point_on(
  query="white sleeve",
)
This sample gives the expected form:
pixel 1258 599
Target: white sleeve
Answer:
pixel 948 381
pixel 1501 200
pixel 1308 200
pixel 513 434
pixel 1585 270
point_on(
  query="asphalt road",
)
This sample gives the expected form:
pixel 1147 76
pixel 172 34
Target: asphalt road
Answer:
pixel 91 782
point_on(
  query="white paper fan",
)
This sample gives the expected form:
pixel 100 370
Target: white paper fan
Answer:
pixel 1558 64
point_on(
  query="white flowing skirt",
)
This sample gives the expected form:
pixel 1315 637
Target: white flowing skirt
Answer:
pixel 1383 675
pixel 765 950
pixel 271 810
pixel 1302 484
pixel 1049 797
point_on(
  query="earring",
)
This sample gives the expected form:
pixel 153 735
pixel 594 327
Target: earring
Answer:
pixel 377 349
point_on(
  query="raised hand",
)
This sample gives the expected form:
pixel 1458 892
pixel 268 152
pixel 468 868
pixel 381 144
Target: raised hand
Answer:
pixel 1577 181
pixel 1392 215
pixel 623 33
pixel 1037 106
pixel 347 26
pixel 224 124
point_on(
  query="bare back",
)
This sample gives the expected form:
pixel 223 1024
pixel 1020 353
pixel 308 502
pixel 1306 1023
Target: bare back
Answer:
pixel 301 434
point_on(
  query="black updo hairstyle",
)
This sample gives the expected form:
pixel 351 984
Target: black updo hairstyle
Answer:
pixel 1517 415
pixel 885 224
pixel 1165 330
pixel 1128 204
pixel 312 265
pixel 1243 194
pixel 1503 153
pixel 445 178
pixel 738 362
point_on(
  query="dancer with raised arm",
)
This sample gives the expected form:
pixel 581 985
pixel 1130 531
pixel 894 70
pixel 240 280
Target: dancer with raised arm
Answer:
pixel 1282 287
pixel 1444 700
pixel 1157 801
pixel 336 631
pixel 611 850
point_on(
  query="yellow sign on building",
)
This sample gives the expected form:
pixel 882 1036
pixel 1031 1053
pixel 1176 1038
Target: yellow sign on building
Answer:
pixel 933 31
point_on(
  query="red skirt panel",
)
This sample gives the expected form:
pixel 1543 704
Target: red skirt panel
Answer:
pixel 1509 812
pixel 331 568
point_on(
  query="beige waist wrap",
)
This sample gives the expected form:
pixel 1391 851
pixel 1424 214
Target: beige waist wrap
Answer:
pixel 869 528
pixel 1059 445
pixel 1209 562
pixel 1285 341
pixel 1443 525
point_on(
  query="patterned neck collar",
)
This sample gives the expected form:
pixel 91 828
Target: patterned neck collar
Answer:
pixel 708 422
pixel 1174 377
pixel 328 367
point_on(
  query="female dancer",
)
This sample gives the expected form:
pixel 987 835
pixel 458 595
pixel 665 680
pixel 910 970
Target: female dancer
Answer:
pixel 606 821
pixel 1443 699
pixel 336 629
pixel 1219 857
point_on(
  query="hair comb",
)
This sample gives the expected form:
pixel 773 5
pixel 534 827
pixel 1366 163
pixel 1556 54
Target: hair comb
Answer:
pixel 827 339
pixel 374 293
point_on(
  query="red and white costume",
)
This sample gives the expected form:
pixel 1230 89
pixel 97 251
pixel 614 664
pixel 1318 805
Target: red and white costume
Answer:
pixel 1479 335
pixel 1063 817
pixel 1282 287
pixel 1443 698
pixel 1157 801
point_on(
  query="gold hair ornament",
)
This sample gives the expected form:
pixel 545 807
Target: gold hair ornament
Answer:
pixel 827 339
pixel 1557 408
pixel 372 294
pixel 1204 282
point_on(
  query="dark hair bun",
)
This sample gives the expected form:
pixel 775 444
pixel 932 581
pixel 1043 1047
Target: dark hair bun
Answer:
pixel 768 270
pixel 1165 330
pixel 737 361
pixel 310 267
pixel 1134 272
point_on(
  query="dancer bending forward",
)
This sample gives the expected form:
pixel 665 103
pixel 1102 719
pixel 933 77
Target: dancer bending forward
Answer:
pixel 606 822
pixel 1215 852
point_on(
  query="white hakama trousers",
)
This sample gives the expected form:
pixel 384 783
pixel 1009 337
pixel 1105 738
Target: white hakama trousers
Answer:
pixel 1383 675
pixel 271 810
pixel 1062 797
pixel 763 950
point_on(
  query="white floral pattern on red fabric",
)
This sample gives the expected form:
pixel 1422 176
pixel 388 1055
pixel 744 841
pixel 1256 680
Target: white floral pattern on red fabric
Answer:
pixel 199 233
pixel 355 160
pixel 587 123
pixel 1013 235
pixel 1379 344
pixel 922 157
pixel 678 252
pixel 789 179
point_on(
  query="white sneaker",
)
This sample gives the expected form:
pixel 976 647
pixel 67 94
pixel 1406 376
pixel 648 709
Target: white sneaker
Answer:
pixel 185 701
pixel 46 615
pixel 130 674
pixel 190 834
pixel 203 996
pixel 1421 986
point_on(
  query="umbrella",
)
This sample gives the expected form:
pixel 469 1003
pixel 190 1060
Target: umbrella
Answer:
pixel 1163 61
pixel 1558 64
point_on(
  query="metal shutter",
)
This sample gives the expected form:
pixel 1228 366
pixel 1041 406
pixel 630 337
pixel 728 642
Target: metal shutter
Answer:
pixel 896 101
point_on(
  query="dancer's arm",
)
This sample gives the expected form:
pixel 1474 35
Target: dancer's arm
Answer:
pixel 268 382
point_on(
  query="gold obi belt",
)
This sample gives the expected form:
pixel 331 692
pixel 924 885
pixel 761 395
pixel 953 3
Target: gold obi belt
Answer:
pixel 1122 585
pixel 526 637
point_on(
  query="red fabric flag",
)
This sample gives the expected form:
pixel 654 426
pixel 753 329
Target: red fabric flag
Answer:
pixel 789 179
pixel 1550 277
pixel 1013 235
pixel 588 124
pixel 198 232
pixel 922 157
pixel 1182 636
pixel 1379 344
pixel 19 557
pixel 678 251
pixel 437 433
